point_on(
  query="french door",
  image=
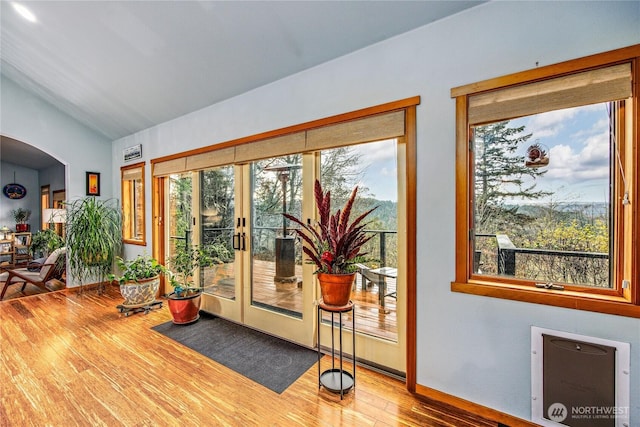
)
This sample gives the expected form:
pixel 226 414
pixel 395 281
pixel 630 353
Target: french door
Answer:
pixel 259 283
pixel 263 281
pixel 235 196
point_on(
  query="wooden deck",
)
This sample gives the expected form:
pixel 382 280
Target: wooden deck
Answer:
pixel 70 359
pixel 370 318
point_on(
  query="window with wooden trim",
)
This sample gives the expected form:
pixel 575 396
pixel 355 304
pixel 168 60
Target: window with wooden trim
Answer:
pixel 133 204
pixel 546 185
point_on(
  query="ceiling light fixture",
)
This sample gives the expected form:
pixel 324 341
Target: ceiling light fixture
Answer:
pixel 24 12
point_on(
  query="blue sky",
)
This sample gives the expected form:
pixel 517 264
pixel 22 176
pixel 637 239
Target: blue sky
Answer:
pixel 382 171
pixel 578 143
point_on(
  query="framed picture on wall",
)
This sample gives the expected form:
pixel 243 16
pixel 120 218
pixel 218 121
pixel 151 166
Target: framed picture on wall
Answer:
pixel 93 184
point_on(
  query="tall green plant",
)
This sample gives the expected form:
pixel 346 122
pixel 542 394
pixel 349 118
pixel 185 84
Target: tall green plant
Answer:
pixel 94 237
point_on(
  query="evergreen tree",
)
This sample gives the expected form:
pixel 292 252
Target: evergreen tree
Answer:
pixel 500 174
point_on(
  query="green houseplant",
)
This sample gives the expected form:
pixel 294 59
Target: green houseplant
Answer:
pixel 334 245
pixel 45 242
pixel 184 301
pixel 94 238
pixel 21 216
pixel 139 280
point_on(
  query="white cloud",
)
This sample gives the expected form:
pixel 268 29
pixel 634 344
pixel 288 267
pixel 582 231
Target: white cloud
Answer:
pixel 579 150
pixel 590 162
pixel 377 151
pixel 600 126
pixel 549 124
pixel 388 172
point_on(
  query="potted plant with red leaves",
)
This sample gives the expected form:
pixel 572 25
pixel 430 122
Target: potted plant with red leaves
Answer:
pixel 334 244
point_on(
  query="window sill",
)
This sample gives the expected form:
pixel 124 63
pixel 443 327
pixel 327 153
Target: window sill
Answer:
pixel 568 299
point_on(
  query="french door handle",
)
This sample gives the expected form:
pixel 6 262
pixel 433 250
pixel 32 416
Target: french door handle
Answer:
pixel 236 242
pixel 244 241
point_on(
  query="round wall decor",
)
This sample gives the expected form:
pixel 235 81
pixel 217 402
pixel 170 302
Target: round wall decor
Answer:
pixel 14 191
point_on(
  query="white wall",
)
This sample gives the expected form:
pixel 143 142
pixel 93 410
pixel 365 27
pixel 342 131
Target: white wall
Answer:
pixel 474 347
pixel 27 118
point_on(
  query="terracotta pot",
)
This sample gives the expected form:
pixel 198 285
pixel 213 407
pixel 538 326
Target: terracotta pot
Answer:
pixel 184 310
pixel 335 289
pixel 139 294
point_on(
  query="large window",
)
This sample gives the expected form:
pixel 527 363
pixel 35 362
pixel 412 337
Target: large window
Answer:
pixel 133 204
pixel 547 172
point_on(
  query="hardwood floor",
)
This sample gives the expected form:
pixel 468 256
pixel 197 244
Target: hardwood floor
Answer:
pixel 70 359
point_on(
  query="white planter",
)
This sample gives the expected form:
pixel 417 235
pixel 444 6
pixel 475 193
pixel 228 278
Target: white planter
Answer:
pixel 141 293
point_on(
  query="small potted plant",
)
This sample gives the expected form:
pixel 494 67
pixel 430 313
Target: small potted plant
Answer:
pixel 334 245
pixel 184 301
pixel 21 216
pixel 139 280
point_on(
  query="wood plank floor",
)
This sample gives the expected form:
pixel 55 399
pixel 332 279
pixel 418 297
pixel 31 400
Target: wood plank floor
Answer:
pixel 70 359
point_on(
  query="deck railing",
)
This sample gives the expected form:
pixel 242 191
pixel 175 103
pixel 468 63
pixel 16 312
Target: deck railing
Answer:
pixel 506 259
pixel 382 247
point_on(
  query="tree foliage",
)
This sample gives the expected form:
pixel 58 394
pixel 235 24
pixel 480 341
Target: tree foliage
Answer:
pixel 562 230
pixel 217 196
pixel 500 173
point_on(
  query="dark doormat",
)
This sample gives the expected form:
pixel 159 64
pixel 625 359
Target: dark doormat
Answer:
pixel 267 360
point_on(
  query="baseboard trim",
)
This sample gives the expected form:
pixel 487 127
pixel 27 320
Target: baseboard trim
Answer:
pixel 474 408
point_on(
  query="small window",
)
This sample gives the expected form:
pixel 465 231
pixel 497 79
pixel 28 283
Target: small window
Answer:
pixel 546 196
pixel 133 230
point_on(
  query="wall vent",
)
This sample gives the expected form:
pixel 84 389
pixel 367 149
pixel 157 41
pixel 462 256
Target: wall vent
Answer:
pixel 578 381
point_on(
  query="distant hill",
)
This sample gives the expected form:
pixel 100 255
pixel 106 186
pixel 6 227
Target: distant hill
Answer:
pixel 387 213
pixel 586 209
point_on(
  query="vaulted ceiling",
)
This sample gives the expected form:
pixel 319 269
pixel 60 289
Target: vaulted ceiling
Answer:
pixel 123 66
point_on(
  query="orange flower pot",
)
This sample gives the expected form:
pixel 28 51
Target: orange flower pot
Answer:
pixel 335 289
pixel 185 310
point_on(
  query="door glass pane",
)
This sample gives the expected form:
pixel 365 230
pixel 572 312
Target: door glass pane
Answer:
pixel 217 213
pixel 276 256
pixel 373 168
pixel 543 191
pixel 179 218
